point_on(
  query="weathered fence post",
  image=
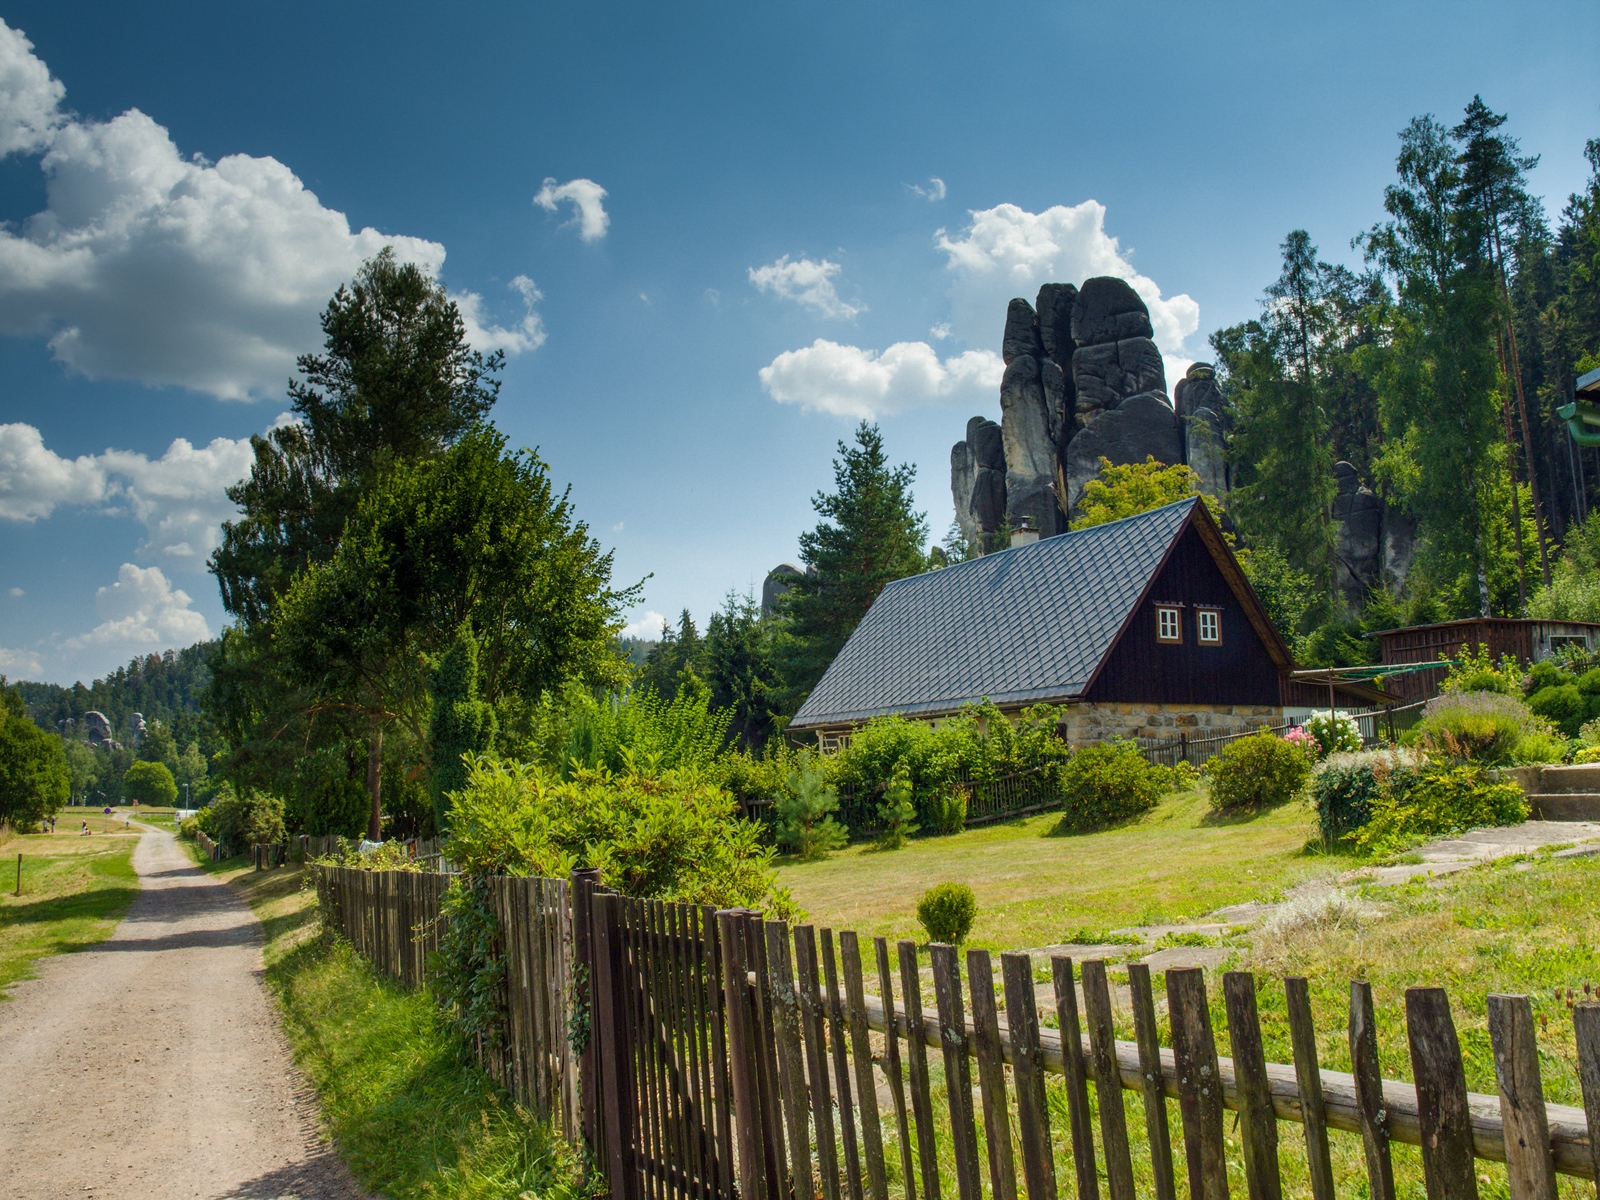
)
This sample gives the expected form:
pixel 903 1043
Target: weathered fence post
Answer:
pixel 584 882
pixel 613 1039
pixel 1033 1111
pixel 1369 1092
pixel 743 1053
pixel 1199 1083
pixel 1586 1027
pixel 1258 1123
pixel 1152 1081
pixel 1441 1096
pixel 1077 1086
pixel 1308 1075
pixel 957 1071
pixel 1530 1168
pixel 1107 1080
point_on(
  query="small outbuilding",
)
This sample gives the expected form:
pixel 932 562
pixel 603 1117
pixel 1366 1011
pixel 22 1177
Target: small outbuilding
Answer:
pixel 1525 639
pixel 1143 627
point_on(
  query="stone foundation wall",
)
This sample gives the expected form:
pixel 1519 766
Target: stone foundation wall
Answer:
pixel 1087 723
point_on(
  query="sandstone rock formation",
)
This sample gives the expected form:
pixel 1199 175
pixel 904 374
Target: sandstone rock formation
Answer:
pixel 1358 536
pixel 1199 404
pixel 978 481
pixel 777 583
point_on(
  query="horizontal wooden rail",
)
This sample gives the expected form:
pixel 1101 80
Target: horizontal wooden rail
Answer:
pixel 1569 1132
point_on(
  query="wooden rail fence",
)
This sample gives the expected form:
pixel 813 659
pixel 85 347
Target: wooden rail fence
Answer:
pixel 713 1055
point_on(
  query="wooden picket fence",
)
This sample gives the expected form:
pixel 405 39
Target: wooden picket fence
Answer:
pixel 714 1055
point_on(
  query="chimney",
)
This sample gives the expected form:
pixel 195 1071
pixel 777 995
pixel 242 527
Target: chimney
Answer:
pixel 1024 533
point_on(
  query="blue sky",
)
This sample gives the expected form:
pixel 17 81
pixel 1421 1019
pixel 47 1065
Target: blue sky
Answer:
pixel 811 212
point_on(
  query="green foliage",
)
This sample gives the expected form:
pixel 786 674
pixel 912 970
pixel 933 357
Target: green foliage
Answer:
pixel 34 779
pixel 638 730
pixel 1544 675
pixel 1344 788
pixel 802 812
pixel 1574 591
pixel 1335 733
pixel 239 820
pixel 1105 783
pixel 1475 671
pixel 1565 707
pixel 469 972
pixel 897 812
pixel 149 783
pixel 462 724
pixel 1444 801
pixel 669 837
pixel 1483 728
pixel 947 911
pixel 946 810
pixel 1128 490
pixel 869 535
pixel 1257 772
pixel 1288 593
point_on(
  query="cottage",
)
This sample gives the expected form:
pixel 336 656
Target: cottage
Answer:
pixel 1143 626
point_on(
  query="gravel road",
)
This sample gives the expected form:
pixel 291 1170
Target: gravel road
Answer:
pixel 152 1066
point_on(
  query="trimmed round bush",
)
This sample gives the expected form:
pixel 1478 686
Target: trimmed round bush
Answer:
pixel 1256 772
pixel 947 911
pixel 1107 782
pixel 1565 707
pixel 1476 727
pixel 149 783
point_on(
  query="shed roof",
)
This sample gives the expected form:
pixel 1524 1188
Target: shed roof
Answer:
pixel 1024 625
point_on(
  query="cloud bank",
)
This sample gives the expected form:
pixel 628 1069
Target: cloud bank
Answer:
pixel 585 196
pixel 848 381
pixel 142 612
pixel 808 283
pixel 151 266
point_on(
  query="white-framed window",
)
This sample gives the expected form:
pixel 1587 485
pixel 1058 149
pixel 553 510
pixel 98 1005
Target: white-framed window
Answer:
pixel 1169 624
pixel 1209 624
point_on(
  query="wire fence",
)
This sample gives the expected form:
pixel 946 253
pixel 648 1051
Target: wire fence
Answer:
pixel 1377 726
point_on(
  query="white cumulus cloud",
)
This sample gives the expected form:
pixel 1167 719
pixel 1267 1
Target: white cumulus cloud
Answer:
pixel 152 266
pixel 527 334
pixel 19 664
pixel 142 611
pixel 586 196
pixel 808 283
pixel 848 381
pixel 180 498
pixel 648 627
pixel 1007 251
pixel 933 193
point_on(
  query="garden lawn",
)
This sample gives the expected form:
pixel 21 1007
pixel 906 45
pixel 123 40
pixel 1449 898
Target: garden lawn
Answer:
pixel 1036 887
pixel 74 891
pixel 406 1108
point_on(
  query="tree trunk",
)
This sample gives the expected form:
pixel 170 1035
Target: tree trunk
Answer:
pixel 1516 500
pixel 375 784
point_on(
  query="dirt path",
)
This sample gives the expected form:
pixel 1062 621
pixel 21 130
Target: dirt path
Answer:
pixel 152 1066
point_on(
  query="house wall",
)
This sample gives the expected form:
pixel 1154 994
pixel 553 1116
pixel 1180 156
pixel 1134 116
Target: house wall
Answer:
pixel 1086 723
pixel 1142 670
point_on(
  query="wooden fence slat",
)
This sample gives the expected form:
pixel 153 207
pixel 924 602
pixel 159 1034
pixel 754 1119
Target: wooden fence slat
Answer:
pixel 1199 1085
pixel 1027 1066
pixel 861 1054
pixel 1074 1071
pixel 716 1003
pixel 791 1062
pixel 616 1085
pixel 1308 1075
pixel 1152 1081
pixel 813 1019
pixel 767 1060
pixel 841 1069
pixel 742 1055
pixel 704 1156
pixel 1530 1167
pixel 1107 1080
pixel 670 1014
pixel 957 1071
pixel 1447 1159
pixel 1369 1091
pixel 1258 1123
pixel 917 1064
pixel 1586 1028
pixel 892 1069
pixel 991 1076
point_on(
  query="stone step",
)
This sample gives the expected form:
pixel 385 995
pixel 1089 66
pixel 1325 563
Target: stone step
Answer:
pixel 1564 806
pixel 1580 778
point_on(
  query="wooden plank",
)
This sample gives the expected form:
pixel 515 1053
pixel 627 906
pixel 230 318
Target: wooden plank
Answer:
pixel 861 1056
pixel 766 1059
pixel 1586 1028
pixel 1258 1124
pixel 813 1017
pixel 891 1067
pixel 791 1058
pixel 704 1157
pixel 611 1031
pixel 1308 1075
pixel 1075 1071
pixel 841 1070
pixel 1530 1168
pixel 669 1018
pixel 917 1067
pixel 1027 1064
pixel 645 1039
pixel 1441 1096
pixel 1199 1086
pixel 957 1072
pixel 991 1076
pixel 1368 1078
pixel 1152 1081
pixel 721 1077
pixel 742 1055
pixel 1107 1080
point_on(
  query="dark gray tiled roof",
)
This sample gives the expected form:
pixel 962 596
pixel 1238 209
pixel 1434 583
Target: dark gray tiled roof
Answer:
pixel 1023 625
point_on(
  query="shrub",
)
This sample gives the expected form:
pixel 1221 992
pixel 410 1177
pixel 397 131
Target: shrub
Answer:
pixel 1564 706
pixel 1180 777
pixel 802 811
pixel 946 810
pixel 1541 746
pixel 1589 735
pixel 1104 783
pixel 1477 727
pixel 149 783
pixel 897 812
pixel 1477 672
pixel 1589 754
pixel 947 911
pixel 1345 786
pixel 204 821
pixel 242 820
pixel 1446 800
pixel 1335 733
pixel 1589 683
pixel 1546 674
pixel 1259 771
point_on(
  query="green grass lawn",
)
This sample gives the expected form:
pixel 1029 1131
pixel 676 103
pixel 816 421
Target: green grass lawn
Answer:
pixel 74 891
pixel 407 1109
pixel 1036 887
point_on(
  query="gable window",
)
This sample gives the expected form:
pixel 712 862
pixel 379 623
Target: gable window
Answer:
pixel 1210 627
pixel 1168 624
